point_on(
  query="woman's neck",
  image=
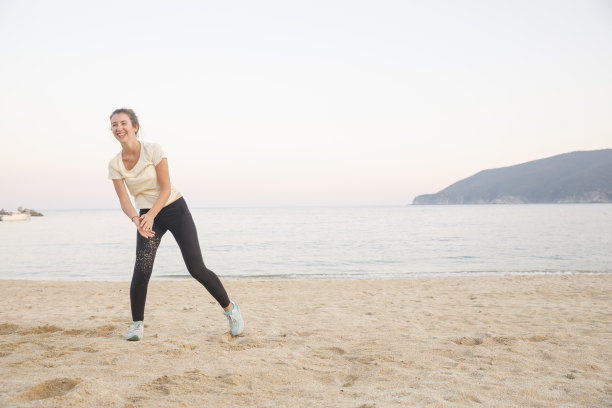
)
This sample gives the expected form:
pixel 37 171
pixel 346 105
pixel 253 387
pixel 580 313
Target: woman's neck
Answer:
pixel 131 147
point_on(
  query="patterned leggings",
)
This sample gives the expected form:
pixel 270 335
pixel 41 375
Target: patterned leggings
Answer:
pixel 176 218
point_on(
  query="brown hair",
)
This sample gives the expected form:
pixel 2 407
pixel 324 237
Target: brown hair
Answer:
pixel 131 114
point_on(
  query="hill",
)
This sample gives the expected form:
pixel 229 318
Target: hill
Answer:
pixel 576 177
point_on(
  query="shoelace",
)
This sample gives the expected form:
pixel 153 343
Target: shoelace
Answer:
pixel 135 327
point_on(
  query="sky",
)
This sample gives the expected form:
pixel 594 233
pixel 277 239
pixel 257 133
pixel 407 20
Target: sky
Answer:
pixel 287 103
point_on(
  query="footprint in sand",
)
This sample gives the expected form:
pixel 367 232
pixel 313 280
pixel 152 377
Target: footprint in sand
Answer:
pixel 103 331
pixel 8 328
pixel 345 380
pixel 239 343
pixel 342 379
pixel 327 352
pixel 107 330
pixel 496 340
pixel 48 389
pixel 8 348
pixel 164 384
pixel 336 350
pixel 537 339
pixel 468 341
pixel 87 349
pixel 42 330
pixel 191 381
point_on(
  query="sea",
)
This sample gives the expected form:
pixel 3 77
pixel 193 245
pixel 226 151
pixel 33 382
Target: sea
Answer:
pixel 322 243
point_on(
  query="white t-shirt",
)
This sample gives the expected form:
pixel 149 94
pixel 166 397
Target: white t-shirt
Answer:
pixel 141 181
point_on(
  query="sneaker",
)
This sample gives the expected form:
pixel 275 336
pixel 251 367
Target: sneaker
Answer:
pixel 136 331
pixel 235 319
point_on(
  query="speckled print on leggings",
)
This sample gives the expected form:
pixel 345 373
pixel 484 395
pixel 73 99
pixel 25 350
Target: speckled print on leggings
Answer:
pixel 146 256
pixel 175 218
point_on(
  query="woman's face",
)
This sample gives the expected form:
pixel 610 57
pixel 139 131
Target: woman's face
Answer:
pixel 122 128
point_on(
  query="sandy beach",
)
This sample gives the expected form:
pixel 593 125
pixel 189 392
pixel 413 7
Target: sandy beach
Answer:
pixel 539 341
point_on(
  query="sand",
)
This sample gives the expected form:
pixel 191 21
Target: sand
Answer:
pixel 539 341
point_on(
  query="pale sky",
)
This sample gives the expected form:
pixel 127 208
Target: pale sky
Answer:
pixel 274 103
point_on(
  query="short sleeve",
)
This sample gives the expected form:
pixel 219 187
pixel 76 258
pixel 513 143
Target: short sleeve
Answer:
pixel 113 173
pixel 157 154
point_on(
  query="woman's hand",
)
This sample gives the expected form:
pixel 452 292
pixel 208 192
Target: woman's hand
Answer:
pixel 146 223
pixel 145 233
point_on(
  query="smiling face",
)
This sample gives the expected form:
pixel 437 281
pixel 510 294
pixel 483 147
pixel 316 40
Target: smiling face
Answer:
pixel 122 127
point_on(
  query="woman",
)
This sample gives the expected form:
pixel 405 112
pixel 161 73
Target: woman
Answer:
pixel 142 169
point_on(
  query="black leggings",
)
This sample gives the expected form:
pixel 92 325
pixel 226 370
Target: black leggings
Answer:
pixel 176 218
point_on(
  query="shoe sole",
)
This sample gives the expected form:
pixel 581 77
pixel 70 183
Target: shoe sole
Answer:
pixel 133 338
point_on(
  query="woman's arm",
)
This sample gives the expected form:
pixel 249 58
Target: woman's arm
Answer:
pixel 127 207
pixel 163 178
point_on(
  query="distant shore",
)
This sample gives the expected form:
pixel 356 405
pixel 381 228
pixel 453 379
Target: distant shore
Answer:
pixel 440 342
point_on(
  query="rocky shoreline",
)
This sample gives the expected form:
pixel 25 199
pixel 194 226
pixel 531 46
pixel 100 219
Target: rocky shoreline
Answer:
pixel 591 197
pixel 22 210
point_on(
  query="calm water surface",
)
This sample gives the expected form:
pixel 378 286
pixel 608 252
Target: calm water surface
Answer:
pixel 313 243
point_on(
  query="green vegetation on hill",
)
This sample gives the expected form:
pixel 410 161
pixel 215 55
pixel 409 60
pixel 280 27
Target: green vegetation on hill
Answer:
pixel 576 177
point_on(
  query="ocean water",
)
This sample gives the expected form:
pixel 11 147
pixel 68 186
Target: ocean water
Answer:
pixel 319 243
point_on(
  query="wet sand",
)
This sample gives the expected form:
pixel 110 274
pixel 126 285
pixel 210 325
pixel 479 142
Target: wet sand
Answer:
pixel 540 341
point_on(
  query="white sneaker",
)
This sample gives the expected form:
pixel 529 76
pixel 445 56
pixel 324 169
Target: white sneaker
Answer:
pixel 136 331
pixel 235 319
